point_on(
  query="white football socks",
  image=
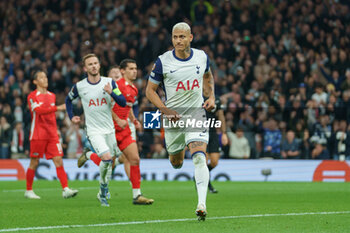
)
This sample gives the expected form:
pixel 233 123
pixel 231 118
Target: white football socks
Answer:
pixel 105 171
pixel 136 192
pixel 88 154
pixel 201 175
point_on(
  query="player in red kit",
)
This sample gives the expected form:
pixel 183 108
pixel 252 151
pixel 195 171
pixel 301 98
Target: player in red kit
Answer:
pixel 125 142
pixel 44 136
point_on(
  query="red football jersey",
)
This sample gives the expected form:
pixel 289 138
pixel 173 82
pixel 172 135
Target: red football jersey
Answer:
pixel 130 92
pixel 42 109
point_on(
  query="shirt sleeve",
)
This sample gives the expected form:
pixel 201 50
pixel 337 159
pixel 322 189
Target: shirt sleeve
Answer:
pixel 117 95
pixel 70 97
pixel 38 108
pixel 156 75
pixel 207 68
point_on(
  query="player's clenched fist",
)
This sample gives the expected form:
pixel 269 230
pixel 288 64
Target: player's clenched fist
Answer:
pixel 172 115
pixel 209 104
pixel 76 119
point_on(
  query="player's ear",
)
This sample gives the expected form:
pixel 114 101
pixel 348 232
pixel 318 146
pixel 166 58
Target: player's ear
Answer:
pixel 191 37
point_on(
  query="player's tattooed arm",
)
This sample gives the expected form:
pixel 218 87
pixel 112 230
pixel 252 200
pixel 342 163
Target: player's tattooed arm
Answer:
pixel 208 84
pixel 208 89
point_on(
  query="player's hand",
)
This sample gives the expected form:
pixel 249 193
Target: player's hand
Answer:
pixel 172 115
pixel 76 119
pixel 122 123
pixel 209 104
pixel 224 139
pixel 108 88
pixel 61 107
pixel 137 124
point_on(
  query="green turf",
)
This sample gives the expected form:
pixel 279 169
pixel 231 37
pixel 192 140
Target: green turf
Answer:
pixel 177 200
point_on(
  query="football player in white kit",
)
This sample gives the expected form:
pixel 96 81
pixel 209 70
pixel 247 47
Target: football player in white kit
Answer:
pixel 96 93
pixel 184 72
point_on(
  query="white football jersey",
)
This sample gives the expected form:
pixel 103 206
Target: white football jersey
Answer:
pixel 182 78
pixel 97 105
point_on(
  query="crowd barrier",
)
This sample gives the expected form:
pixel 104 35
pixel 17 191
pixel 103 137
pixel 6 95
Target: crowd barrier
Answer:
pixel 161 170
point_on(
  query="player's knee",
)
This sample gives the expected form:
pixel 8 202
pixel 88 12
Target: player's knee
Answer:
pixel 34 162
pixel 199 158
pixel 106 156
pixel 135 161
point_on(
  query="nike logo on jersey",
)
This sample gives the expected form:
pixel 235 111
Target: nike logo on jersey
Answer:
pixel 172 71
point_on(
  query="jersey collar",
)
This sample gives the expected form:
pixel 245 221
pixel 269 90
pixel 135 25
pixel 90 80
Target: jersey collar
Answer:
pixel 94 83
pixel 186 59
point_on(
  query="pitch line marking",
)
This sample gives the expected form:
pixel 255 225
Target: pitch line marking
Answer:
pixel 170 220
pixel 43 189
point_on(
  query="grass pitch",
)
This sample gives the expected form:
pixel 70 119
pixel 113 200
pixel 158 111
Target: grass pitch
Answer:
pixel 238 207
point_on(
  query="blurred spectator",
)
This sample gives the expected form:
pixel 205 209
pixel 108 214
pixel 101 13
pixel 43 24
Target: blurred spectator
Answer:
pixel 320 151
pixel 199 10
pixel 306 145
pixel 239 146
pixel 272 140
pixel 5 138
pixel 17 143
pixel 320 96
pixel 291 147
pixel 75 137
pixel 340 150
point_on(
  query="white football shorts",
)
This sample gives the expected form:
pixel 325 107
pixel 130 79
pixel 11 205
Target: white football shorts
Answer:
pixel 177 138
pixel 104 143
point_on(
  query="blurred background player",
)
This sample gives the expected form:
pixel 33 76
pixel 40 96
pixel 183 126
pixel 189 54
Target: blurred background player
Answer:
pixel 96 93
pixel 214 147
pixel 43 135
pixel 126 143
pixel 115 74
pixel 184 73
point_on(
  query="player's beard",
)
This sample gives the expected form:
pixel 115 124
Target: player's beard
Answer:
pixel 94 74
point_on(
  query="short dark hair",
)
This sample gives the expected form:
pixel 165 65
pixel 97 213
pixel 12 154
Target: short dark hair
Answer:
pixel 124 63
pixel 87 56
pixel 113 67
pixel 35 76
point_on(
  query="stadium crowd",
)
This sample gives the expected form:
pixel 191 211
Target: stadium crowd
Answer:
pixel 281 68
